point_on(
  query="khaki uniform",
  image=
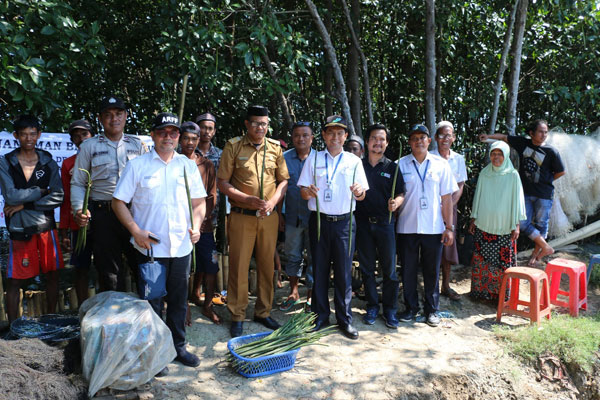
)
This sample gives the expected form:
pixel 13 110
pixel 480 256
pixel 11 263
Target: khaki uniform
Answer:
pixel 241 165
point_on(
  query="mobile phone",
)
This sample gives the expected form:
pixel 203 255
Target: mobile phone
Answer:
pixel 152 236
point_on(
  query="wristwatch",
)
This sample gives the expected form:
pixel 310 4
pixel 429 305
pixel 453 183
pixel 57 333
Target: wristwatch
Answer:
pixel 451 228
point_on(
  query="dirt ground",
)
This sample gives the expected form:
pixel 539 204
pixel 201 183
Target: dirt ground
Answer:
pixel 460 359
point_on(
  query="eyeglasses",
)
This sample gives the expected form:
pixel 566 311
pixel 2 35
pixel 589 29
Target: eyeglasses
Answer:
pixel 256 124
pixel 163 134
pixel 448 136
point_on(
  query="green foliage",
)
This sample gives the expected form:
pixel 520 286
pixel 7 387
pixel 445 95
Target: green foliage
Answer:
pixel 575 341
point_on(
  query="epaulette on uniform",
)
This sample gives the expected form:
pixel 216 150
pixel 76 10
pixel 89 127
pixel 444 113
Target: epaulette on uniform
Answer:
pixel 131 137
pixel 274 141
pixel 235 139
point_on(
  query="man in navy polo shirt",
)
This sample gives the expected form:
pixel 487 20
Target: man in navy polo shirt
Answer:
pixel 374 228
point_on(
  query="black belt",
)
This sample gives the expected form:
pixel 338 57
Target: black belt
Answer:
pixel 101 204
pixel 335 218
pixel 244 211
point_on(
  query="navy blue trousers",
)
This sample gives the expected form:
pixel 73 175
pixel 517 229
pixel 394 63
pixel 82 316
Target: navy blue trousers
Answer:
pixel 377 241
pixel 178 271
pixel 332 248
pixel 430 249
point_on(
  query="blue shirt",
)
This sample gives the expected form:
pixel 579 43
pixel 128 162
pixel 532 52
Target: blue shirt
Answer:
pixel 296 208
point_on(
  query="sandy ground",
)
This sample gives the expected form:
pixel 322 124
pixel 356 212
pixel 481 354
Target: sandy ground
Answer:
pixel 460 359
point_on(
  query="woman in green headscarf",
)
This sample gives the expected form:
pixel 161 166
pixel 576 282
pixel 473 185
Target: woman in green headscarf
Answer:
pixel 498 206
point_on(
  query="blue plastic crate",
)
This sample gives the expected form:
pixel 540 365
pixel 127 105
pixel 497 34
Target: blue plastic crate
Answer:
pixel 261 366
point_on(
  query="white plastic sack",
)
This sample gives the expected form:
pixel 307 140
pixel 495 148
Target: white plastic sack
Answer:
pixel 124 343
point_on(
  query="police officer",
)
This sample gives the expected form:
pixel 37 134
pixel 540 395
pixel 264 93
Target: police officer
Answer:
pixel 253 174
pixel 105 156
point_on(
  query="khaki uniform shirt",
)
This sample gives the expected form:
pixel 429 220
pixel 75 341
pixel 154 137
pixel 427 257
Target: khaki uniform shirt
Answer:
pixel 105 160
pixel 241 165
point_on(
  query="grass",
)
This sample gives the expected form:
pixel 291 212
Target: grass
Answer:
pixel 573 340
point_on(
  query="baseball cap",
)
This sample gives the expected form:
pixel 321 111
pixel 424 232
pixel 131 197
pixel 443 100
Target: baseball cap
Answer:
pixel 418 128
pixel 190 127
pixel 206 117
pixel 80 124
pixel 112 102
pixel 358 140
pixel 165 119
pixel 336 120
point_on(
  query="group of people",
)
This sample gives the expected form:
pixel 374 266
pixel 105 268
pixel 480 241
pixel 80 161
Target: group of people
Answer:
pixel 331 204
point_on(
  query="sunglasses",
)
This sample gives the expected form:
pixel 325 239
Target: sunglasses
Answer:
pixel 419 128
pixel 301 123
pixel 163 134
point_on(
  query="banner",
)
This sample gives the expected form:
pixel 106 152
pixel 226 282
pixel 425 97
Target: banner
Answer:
pixel 57 144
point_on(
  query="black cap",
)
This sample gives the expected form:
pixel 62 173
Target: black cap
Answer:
pixel 190 127
pixel 165 119
pixel 418 128
pixel 112 102
pixel 80 124
pixel 335 120
pixel 206 117
pixel 257 111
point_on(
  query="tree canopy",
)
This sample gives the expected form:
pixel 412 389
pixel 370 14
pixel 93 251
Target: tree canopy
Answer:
pixel 60 57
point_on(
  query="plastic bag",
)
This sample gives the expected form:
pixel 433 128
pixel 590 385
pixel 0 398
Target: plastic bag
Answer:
pixel 124 343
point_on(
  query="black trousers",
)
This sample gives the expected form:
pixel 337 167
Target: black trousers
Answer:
pixel 110 244
pixel 430 249
pixel 332 248
pixel 178 271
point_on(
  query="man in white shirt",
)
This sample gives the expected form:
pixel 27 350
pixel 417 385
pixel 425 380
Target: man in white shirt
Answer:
pixel 160 219
pixel 424 224
pixel 338 182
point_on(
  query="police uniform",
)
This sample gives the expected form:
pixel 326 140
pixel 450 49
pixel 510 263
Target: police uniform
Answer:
pixel 105 160
pixel 241 164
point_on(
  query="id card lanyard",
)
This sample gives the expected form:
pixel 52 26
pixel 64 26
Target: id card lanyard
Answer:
pixel 328 193
pixel 423 199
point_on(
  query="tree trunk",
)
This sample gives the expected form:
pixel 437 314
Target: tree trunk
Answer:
pixel 430 65
pixel 353 75
pixel 283 102
pixel 337 72
pixel 511 115
pixel 328 71
pixel 502 69
pixel 353 28
pixel 438 79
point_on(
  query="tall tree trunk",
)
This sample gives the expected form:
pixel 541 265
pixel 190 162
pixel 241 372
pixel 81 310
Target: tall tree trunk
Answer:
pixel 430 65
pixel 337 72
pixel 502 69
pixel 515 67
pixel 353 27
pixel 438 79
pixel 282 99
pixel 328 71
pixel 353 75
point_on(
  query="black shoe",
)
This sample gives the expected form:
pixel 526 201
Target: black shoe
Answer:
pixel 268 322
pixel 349 331
pixel 162 372
pixel 320 325
pixel 237 328
pixel 407 316
pixel 188 359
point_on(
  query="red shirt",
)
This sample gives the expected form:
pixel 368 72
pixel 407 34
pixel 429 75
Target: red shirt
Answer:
pixel 67 221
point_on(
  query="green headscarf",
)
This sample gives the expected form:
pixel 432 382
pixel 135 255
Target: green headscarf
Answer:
pixel 498 204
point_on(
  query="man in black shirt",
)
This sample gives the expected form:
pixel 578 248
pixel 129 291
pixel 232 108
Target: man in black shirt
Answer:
pixel 540 165
pixel 374 229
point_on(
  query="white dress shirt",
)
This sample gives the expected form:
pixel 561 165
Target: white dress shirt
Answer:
pixel 341 180
pixel 457 163
pixel 438 181
pixel 159 204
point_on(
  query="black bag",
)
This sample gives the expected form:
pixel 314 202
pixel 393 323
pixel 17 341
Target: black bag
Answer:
pixel 152 282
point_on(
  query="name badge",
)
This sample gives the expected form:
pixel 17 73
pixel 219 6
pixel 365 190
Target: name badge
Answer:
pixel 327 195
pixel 423 203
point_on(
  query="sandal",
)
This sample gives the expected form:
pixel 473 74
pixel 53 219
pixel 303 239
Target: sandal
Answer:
pixel 288 304
pixel 451 294
pixel 219 299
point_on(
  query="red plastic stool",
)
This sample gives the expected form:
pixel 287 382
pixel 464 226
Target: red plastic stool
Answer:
pixel 577 284
pixel 539 298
